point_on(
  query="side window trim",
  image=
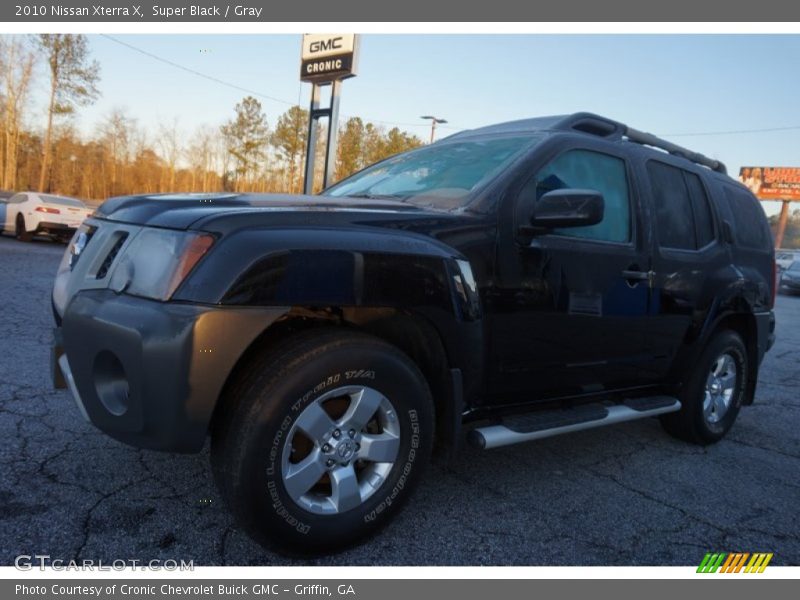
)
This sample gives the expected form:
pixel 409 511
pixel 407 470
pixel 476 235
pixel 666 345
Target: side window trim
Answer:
pixel 711 210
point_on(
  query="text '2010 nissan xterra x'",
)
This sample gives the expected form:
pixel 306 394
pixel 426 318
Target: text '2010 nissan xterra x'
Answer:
pixel 504 284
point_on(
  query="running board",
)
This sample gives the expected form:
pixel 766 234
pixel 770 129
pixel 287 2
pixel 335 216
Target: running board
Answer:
pixel 542 424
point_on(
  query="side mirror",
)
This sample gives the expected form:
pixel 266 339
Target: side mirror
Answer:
pixel 568 208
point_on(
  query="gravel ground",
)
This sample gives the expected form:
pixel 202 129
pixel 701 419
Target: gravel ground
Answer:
pixel 624 495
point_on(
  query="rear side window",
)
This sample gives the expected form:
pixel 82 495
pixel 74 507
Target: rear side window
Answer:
pixel 703 221
pixel 749 219
pixel 683 214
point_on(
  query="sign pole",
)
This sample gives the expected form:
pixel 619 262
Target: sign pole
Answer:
pixel 325 59
pixel 311 142
pixel 782 220
pixel 333 135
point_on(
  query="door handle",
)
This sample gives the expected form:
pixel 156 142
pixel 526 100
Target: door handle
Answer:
pixel 638 275
pixel 631 275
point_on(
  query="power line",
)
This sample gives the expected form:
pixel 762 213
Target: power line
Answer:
pixel 194 72
pixel 289 103
pixel 733 132
pixel 238 87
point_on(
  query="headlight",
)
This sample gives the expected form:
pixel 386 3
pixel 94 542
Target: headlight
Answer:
pixel 157 261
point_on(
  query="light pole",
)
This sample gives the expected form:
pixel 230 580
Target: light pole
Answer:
pixel 434 121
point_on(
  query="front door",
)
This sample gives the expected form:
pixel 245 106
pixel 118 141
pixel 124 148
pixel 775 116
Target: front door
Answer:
pixel 569 313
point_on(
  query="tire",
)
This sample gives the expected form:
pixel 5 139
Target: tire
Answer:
pixel 23 235
pixel 277 425
pixel 713 393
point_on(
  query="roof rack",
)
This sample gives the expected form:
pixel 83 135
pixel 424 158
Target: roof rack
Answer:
pixel 648 139
pixel 604 127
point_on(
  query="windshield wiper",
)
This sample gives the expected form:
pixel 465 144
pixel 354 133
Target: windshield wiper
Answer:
pixel 374 196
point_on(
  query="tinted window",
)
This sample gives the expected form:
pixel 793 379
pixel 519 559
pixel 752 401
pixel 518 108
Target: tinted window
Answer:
pixel 674 217
pixel 17 199
pixel 749 220
pixel 794 267
pixel 703 221
pixel 583 169
pixel 683 212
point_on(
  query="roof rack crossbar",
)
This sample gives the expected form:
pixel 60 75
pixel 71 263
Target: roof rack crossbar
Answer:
pixel 648 139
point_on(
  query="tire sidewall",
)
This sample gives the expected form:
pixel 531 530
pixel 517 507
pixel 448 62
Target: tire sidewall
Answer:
pixel 732 344
pixel 274 415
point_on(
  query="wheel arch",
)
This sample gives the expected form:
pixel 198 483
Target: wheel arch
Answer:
pixel 410 332
pixel 742 322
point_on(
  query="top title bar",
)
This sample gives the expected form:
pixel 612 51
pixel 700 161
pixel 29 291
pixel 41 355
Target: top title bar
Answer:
pixel 407 11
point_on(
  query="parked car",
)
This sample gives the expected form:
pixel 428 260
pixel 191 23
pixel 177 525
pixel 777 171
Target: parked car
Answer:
pixel 790 278
pixel 28 214
pixel 784 258
pixel 502 285
pixel 4 196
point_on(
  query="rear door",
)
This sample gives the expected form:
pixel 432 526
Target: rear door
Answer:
pixel 569 312
pixel 689 261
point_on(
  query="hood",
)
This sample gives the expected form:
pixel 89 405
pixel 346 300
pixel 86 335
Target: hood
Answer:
pixel 181 211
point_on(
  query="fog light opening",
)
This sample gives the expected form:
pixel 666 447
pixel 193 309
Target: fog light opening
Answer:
pixel 110 383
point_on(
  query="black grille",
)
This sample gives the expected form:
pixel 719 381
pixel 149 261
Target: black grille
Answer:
pixel 112 254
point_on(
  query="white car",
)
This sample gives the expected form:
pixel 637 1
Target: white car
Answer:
pixel 31 213
pixel 784 259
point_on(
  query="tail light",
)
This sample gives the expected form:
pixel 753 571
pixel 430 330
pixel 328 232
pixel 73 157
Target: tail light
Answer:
pixel 47 209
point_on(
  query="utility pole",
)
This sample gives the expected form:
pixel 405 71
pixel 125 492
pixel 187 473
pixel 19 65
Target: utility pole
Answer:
pixel 434 121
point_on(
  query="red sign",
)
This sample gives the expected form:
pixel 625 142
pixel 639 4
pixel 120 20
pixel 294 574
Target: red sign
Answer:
pixel 772 183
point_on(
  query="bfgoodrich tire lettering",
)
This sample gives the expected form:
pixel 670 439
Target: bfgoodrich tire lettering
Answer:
pixel 713 392
pixel 267 418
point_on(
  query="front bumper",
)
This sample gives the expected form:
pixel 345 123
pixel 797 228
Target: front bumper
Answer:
pixel 149 373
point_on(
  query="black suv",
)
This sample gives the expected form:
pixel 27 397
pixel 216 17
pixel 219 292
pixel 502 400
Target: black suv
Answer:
pixel 502 285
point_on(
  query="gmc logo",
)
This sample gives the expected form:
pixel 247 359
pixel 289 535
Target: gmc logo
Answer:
pixel 323 45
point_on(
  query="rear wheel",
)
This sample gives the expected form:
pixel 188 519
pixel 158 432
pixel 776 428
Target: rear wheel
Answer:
pixel 713 393
pixel 321 443
pixel 23 235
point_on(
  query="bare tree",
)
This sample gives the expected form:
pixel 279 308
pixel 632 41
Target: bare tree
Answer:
pixel 17 60
pixel 73 82
pixel 169 143
pixel 117 134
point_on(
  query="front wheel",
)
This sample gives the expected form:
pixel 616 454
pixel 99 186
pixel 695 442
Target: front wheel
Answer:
pixel 713 392
pixel 321 443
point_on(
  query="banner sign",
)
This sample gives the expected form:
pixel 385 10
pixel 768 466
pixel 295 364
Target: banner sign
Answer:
pixel 328 56
pixel 772 183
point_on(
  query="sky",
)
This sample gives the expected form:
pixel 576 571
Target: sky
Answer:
pixel 687 88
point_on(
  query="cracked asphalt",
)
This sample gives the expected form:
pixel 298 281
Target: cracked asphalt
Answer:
pixel 624 495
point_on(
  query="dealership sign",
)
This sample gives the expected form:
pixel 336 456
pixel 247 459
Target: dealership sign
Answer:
pixel 772 183
pixel 328 56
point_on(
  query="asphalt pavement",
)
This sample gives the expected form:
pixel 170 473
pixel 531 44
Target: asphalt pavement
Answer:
pixel 622 495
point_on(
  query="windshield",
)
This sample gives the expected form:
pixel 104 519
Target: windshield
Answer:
pixel 794 267
pixel 61 200
pixel 441 175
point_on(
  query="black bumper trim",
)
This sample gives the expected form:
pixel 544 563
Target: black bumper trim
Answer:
pixel 176 358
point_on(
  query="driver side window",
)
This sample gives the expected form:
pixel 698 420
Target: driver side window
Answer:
pixel 585 169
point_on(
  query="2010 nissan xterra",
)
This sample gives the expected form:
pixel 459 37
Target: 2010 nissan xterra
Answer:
pixel 502 285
